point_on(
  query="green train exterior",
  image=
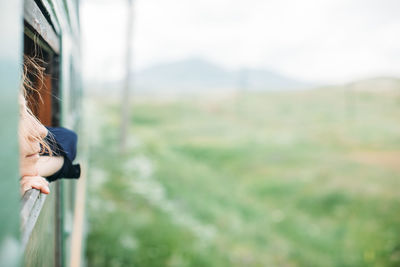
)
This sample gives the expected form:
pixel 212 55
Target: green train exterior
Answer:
pixel 53 29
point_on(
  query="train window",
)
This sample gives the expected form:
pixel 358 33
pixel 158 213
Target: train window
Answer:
pixel 41 41
pixel 44 102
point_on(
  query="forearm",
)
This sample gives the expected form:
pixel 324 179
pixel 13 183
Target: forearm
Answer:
pixel 63 144
pixel 48 165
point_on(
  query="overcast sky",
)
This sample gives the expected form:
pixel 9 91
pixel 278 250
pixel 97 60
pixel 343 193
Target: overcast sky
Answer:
pixel 330 41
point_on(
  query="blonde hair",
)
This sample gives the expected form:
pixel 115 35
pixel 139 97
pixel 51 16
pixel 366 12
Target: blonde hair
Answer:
pixel 33 74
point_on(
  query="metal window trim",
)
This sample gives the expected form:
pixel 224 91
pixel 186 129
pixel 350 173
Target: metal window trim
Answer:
pixel 39 41
pixel 34 17
pixel 49 6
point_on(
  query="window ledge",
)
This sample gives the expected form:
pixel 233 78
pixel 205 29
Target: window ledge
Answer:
pixel 32 203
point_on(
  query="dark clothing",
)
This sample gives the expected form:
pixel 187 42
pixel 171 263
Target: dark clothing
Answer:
pixel 63 143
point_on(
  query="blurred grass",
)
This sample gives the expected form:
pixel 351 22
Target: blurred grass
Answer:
pixel 304 178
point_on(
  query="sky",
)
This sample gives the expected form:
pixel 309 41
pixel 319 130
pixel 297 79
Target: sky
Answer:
pixel 324 41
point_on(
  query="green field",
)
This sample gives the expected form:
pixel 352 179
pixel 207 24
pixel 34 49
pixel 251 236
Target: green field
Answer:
pixel 306 178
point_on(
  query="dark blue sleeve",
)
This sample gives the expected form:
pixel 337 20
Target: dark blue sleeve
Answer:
pixel 63 142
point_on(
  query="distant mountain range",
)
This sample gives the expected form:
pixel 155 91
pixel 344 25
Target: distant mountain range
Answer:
pixel 196 74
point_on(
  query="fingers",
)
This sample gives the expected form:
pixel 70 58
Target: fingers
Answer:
pixel 37 182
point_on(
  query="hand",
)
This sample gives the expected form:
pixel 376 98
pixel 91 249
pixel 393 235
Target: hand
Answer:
pixel 37 182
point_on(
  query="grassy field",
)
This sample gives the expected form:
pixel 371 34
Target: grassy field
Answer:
pixel 307 178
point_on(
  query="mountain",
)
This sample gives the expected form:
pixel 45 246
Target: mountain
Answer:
pixel 196 74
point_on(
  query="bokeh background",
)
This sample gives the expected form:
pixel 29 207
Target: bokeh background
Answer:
pixel 258 133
